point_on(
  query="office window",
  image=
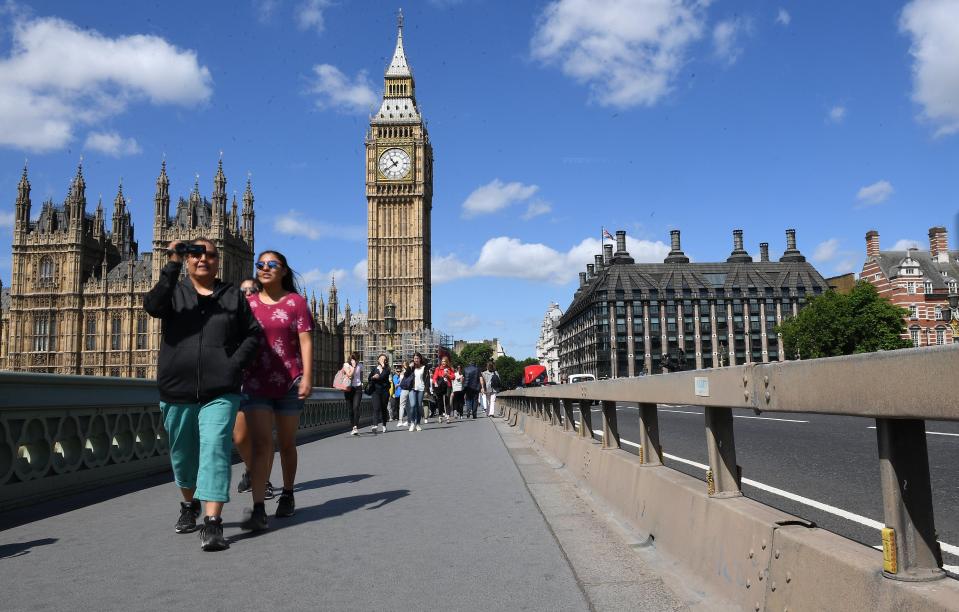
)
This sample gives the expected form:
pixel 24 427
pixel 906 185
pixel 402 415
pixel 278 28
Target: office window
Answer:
pixel 913 311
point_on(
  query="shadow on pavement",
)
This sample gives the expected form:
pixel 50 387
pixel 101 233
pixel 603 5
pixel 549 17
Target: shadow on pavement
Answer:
pixel 18 549
pixel 328 509
pixel 319 483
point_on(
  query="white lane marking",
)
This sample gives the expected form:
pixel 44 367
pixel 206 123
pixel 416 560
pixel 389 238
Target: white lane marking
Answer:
pixel 954 569
pixel 851 516
pixel 740 416
pixel 934 433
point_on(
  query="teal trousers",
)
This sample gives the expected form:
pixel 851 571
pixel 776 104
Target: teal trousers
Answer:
pixel 201 443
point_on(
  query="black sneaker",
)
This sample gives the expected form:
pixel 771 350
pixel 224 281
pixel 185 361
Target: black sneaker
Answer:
pixel 244 485
pixel 285 506
pixel 189 512
pixel 211 534
pixel 268 492
pixel 255 519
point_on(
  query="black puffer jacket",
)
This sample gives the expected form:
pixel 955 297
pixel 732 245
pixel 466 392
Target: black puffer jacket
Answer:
pixel 207 340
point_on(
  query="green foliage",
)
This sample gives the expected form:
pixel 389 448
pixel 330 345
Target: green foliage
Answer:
pixel 511 371
pixel 477 353
pixel 834 324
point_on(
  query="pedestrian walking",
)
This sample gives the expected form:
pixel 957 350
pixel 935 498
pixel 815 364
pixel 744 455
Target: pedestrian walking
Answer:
pixel 443 388
pixel 354 395
pixel 456 405
pixel 276 385
pixel 492 384
pixel 208 336
pixel 404 396
pixel 379 386
pixel 416 380
pixel 471 389
pixel 395 392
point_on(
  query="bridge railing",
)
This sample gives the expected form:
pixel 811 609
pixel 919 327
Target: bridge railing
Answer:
pixel 63 434
pixel 899 389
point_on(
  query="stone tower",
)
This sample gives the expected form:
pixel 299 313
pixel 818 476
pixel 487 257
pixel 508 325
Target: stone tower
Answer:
pixel 399 193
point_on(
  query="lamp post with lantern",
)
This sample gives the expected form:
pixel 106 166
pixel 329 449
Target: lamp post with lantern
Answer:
pixel 389 322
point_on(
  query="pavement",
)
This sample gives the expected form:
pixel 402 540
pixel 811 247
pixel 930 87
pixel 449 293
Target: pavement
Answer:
pixel 439 519
pixel 822 468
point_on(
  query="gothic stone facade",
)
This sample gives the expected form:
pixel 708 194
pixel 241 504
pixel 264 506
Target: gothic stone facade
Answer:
pixel 75 305
pixel 547 346
pixel 626 316
pixel 918 281
pixel 399 192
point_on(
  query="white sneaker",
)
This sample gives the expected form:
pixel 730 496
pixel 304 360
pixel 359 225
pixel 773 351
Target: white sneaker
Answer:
pixel 426 420
pixel 401 424
pixel 354 432
pixel 418 428
pixel 373 429
pixel 412 427
pixel 382 428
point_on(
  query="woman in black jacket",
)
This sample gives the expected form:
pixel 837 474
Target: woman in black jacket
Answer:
pixel 209 336
pixel 379 382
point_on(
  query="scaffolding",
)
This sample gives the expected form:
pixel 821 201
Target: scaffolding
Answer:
pixel 430 343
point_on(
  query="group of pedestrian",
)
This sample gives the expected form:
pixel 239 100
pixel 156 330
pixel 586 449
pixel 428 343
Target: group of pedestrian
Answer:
pixel 234 364
pixel 400 393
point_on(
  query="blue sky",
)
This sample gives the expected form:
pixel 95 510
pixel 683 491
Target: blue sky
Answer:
pixel 549 119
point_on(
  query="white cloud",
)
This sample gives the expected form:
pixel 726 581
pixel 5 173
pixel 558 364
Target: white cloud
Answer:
pixel 826 250
pixel 265 9
pixel 537 208
pixel 309 15
pixel 293 223
pixel 726 42
pixel 933 26
pixel 511 258
pixel 495 196
pixel 904 244
pixel 339 92
pixel 849 262
pixel 360 270
pixel 627 51
pixel 837 114
pixel 58 76
pixel 318 279
pixel 461 321
pixel 112 144
pixel 876 193
pixel 6 219
pixel 783 17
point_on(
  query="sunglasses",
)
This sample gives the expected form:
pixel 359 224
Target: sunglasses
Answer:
pixel 272 264
pixel 209 254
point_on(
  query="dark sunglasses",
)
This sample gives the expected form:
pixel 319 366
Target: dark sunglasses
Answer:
pixel 199 255
pixel 272 264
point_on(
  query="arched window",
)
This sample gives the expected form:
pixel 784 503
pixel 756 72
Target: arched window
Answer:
pixel 116 327
pixel 44 332
pixel 914 335
pixel 46 270
pixel 91 333
pixel 141 332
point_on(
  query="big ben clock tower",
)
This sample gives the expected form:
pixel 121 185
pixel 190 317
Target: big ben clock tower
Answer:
pixel 399 194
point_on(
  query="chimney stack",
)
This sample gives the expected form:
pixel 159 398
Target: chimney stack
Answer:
pixel 764 251
pixel 598 264
pixel 792 253
pixel 607 254
pixel 676 254
pixel 872 244
pixel 590 272
pixel 939 244
pixel 582 279
pixel 620 242
pixel 739 254
pixel 621 255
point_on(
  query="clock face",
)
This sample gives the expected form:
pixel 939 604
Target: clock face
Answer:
pixel 395 163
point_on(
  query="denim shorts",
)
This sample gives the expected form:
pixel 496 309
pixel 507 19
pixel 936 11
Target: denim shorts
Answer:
pixel 289 404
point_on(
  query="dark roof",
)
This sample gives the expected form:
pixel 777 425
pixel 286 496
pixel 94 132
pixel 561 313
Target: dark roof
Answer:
pixel 932 270
pixel 639 281
pixel 142 270
pixel 202 213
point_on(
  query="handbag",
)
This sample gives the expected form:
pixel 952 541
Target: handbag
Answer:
pixel 341 381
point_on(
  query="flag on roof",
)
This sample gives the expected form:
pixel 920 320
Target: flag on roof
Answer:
pixel 606 234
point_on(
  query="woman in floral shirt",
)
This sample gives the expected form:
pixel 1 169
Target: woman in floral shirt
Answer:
pixel 277 383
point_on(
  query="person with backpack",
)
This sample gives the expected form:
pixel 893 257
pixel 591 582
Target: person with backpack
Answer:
pixel 471 391
pixel 443 388
pixel 458 400
pixel 491 386
pixel 353 369
pixel 208 337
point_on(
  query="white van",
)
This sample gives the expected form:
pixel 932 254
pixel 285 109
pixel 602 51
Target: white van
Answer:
pixel 576 378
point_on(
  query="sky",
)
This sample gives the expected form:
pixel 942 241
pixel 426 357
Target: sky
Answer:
pixel 550 119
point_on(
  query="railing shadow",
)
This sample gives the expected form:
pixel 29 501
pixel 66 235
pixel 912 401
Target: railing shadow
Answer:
pixel 19 549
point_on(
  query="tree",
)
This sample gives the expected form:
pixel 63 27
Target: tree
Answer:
pixel 834 324
pixel 511 371
pixel 477 353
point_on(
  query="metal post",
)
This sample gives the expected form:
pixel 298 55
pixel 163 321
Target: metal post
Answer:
pixel 610 426
pixel 911 550
pixel 585 419
pixel 722 479
pixel 554 411
pixel 568 423
pixel 650 451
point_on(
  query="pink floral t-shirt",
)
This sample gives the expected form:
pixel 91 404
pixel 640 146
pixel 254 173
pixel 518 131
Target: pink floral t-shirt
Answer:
pixel 278 362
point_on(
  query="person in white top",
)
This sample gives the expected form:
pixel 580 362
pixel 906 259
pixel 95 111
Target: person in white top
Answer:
pixel 354 369
pixel 415 379
pixel 491 386
pixel 457 404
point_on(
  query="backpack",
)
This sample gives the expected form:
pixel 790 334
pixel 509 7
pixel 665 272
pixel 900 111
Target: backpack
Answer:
pixel 341 381
pixel 495 383
pixel 471 378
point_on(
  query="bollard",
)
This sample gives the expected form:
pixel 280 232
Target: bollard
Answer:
pixel 910 549
pixel 722 479
pixel 610 426
pixel 650 451
pixel 585 419
pixel 568 422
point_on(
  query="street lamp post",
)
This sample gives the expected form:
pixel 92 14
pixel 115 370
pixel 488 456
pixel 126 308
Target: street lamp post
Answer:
pixel 389 321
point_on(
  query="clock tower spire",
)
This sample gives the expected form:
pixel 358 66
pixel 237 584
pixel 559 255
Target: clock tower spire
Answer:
pixel 399 193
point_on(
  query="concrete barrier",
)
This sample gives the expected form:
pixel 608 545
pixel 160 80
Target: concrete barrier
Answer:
pixel 754 555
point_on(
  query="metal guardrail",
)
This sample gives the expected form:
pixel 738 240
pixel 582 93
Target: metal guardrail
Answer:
pixel 62 434
pixel 899 389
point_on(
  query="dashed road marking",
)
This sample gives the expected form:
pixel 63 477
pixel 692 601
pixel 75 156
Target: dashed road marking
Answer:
pixel 739 416
pixel 934 433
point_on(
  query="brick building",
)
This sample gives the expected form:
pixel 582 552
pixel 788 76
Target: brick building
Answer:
pixel 919 281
